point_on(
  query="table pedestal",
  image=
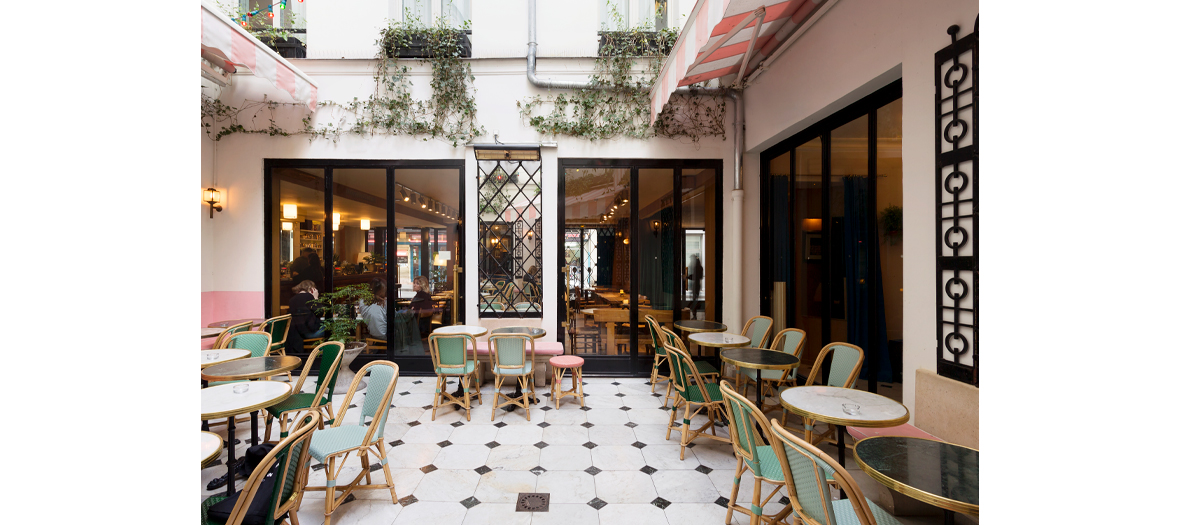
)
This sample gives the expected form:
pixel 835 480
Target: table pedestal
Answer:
pixel 345 375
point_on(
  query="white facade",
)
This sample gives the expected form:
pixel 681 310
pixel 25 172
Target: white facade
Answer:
pixel 854 48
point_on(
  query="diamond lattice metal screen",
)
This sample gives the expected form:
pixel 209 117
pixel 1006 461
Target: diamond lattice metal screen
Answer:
pixel 510 238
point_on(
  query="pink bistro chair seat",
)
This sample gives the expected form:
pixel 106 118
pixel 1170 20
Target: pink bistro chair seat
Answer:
pixel 906 430
pixel 566 361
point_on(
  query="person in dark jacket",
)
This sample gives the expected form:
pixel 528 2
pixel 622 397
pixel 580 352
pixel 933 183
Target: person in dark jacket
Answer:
pixel 305 322
pixel 422 305
pixel 307 267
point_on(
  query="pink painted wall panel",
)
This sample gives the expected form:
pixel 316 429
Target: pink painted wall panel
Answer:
pixel 219 306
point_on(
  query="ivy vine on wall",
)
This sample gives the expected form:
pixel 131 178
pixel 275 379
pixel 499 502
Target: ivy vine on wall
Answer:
pixel 449 114
pixel 621 107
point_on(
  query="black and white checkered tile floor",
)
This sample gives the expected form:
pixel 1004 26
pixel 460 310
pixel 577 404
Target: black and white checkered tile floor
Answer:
pixel 605 463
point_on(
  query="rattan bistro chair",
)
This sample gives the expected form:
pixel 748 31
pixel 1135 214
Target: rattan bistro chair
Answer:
pixel 283 489
pixel 332 446
pixel 846 361
pixel 808 473
pixel 450 353
pixel 758 330
pixel 330 354
pixel 747 426
pixel 223 336
pixel 789 340
pixel 660 339
pixel 513 355
pixel 278 327
pixel 258 343
pixel 694 394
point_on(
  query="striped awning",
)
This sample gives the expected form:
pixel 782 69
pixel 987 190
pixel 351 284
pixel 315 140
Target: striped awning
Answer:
pixel 223 38
pixel 727 40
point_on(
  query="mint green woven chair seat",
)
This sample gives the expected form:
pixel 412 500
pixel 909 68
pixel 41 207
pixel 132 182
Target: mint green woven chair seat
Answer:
pixel 693 393
pixel 845 515
pixel 295 402
pixel 768 464
pixel 528 369
pixel 456 369
pixel 334 440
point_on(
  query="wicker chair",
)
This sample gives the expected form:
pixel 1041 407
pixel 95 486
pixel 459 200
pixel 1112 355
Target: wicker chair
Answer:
pixel 660 339
pixel 289 460
pixel 449 353
pixel 223 336
pixel 846 361
pixel 789 340
pixel 365 437
pixel 258 343
pixel 808 474
pixel 330 354
pixel 694 394
pixel 747 426
pixel 278 327
pixel 758 330
pixel 513 356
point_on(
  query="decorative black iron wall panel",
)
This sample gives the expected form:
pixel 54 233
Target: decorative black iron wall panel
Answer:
pixel 956 78
pixel 510 238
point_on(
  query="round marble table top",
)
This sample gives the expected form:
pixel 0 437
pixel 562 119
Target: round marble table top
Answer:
pixel 939 473
pixel 221 401
pixel 210 447
pixel 213 357
pixel 531 331
pixel 826 404
pixel 211 332
pixel 472 330
pixel 694 326
pixel 759 358
pixel 719 339
pixel 251 368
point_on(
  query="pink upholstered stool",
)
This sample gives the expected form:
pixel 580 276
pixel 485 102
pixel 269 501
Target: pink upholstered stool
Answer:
pixel 559 365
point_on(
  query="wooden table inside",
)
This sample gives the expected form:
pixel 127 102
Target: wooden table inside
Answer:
pixel 610 317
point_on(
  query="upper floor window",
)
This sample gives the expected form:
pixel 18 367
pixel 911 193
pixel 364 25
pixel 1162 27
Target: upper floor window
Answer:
pixel 455 12
pixel 621 15
pixel 280 24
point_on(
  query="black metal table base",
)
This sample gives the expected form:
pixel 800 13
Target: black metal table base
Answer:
pixel 840 451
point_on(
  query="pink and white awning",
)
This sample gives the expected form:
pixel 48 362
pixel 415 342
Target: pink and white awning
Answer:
pixel 728 39
pixel 238 47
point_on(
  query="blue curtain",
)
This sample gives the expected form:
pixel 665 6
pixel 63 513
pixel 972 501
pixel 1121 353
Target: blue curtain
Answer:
pixel 858 240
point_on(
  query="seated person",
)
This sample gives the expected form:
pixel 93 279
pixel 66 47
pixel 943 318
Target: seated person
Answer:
pixel 422 305
pixel 375 314
pixel 305 322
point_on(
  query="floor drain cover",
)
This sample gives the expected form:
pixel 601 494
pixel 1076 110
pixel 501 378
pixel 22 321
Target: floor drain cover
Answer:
pixel 532 502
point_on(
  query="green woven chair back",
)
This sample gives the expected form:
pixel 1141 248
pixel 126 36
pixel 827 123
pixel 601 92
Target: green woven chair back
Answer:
pixel 806 479
pixel 657 336
pixel 745 421
pixel 758 331
pixel 680 371
pixel 790 340
pixel 450 349
pixel 510 349
pixel 382 379
pixel 846 360
pixel 258 343
pixel 329 366
pixel 292 460
pixel 277 328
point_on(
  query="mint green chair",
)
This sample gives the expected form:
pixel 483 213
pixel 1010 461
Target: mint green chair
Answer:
pixel 513 355
pixel 694 394
pixel 808 472
pixel 283 490
pixel 223 336
pixel 758 330
pixel 748 425
pixel 846 361
pixel 258 343
pixel 365 437
pixel 660 338
pixel 450 353
pixel 789 340
pixel 330 354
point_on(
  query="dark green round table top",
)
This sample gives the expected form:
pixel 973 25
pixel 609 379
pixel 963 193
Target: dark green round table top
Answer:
pixel 697 325
pixel 759 358
pixel 939 473
pixel 251 368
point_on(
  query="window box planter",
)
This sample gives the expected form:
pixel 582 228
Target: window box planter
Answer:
pixel 647 43
pixel 417 48
pixel 289 47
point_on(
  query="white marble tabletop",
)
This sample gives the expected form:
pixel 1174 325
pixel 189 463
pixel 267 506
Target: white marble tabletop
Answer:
pixel 210 446
pixel 719 339
pixel 221 401
pixel 826 404
pixel 472 330
pixel 211 332
pixel 212 357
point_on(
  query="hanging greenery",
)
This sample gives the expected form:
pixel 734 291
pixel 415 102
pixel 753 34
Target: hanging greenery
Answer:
pixel 621 106
pixel 449 114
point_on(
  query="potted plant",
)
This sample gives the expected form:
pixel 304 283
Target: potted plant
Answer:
pixel 891 223
pixel 340 320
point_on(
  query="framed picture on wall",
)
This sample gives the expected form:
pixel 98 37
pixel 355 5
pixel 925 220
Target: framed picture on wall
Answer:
pixel 813 246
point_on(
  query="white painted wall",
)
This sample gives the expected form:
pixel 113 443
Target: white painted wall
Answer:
pixel 857 47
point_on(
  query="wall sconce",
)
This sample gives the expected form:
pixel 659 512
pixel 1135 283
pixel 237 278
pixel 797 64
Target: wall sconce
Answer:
pixel 335 221
pixel 288 227
pixel 213 197
pixel 655 227
pixel 627 241
pixel 290 211
pixel 529 234
pixel 365 224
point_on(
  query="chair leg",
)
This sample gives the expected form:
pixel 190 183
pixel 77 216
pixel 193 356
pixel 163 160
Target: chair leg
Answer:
pixel 733 494
pixel 365 468
pixel 527 392
pixel 440 386
pixel 669 394
pixel 671 420
pixel 684 429
pixel 466 382
pixel 330 491
pixel 755 509
pixel 385 468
